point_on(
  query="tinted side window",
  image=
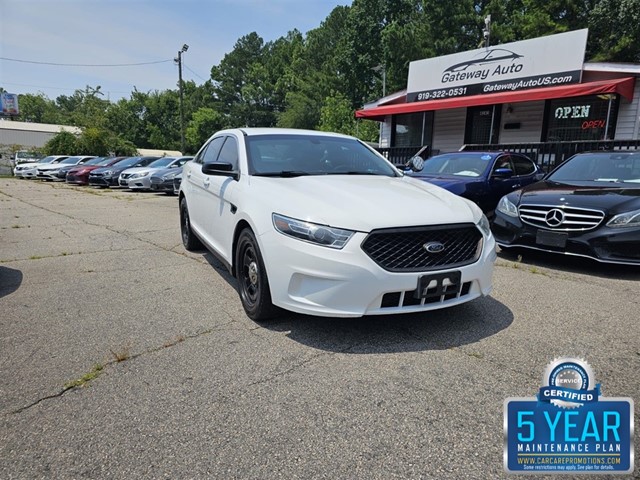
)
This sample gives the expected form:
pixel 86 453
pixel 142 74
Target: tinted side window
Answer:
pixel 229 152
pixel 523 166
pixel 210 152
pixel 503 161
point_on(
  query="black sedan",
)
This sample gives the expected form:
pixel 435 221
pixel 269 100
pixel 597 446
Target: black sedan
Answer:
pixel 108 176
pixel 482 177
pixel 589 206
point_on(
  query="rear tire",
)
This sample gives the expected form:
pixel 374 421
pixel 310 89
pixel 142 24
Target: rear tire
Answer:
pixel 189 239
pixel 253 283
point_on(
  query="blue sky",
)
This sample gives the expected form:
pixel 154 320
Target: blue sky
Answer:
pixel 109 32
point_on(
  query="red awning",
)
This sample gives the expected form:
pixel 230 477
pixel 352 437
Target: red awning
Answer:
pixel 623 86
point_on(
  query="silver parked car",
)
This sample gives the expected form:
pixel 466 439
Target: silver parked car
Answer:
pixel 139 178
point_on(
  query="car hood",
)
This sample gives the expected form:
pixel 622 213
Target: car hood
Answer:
pixel 113 168
pixel 362 202
pixel 30 164
pixel 594 195
pixel 450 183
pixel 77 168
pixel 52 166
pixel 133 170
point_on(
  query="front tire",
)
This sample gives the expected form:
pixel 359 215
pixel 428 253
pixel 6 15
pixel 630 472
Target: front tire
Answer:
pixel 253 283
pixel 189 239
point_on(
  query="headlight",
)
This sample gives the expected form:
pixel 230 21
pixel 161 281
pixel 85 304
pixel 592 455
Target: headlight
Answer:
pixel 507 207
pixel 169 176
pixel 108 172
pixel 483 225
pixel 628 219
pixel 311 232
pixel 139 175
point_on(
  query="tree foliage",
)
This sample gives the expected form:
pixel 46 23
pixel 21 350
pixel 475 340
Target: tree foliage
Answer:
pixel 317 80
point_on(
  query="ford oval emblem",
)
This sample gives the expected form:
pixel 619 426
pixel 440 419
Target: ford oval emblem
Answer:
pixel 434 247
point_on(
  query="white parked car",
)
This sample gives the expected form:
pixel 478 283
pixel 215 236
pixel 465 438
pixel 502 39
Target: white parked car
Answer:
pixel 139 178
pixel 320 223
pixel 50 171
pixel 30 169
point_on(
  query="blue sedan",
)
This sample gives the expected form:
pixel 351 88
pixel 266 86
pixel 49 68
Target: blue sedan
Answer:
pixel 482 177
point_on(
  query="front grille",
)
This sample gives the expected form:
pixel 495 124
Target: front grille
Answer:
pixel 409 298
pixel 155 180
pixel 561 217
pixel 404 249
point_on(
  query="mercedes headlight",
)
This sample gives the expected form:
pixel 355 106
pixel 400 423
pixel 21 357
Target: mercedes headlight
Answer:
pixel 311 232
pixel 484 226
pixel 507 207
pixel 627 219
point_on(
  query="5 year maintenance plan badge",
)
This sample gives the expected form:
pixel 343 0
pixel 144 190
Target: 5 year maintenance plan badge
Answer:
pixel 569 427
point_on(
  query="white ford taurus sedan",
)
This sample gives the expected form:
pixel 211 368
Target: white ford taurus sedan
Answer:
pixel 320 223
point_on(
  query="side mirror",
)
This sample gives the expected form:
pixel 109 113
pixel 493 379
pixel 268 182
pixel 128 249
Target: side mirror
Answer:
pixel 502 173
pixel 416 164
pixel 221 169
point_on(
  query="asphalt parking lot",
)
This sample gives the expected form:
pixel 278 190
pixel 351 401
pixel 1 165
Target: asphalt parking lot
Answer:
pixel 124 356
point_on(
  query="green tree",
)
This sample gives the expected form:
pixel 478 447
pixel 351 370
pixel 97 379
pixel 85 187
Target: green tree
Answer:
pixel 38 109
pixel 62 143
pixel 614 31
pixel 338 116
pixel 204 123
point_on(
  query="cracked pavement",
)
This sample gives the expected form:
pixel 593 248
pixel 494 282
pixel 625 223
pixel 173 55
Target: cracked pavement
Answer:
pixel 203 392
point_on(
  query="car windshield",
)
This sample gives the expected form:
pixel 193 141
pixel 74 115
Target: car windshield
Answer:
pixel 70 161
pixel 460 165
pixel 605 167
pixel 48 159
pixel 296 155
pixel 162 162
pixel 95 161
pixel 127 162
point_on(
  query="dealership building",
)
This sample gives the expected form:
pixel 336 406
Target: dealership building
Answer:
pixel 535 96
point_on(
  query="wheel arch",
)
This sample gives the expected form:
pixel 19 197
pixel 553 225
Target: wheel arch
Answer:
pixel 240 226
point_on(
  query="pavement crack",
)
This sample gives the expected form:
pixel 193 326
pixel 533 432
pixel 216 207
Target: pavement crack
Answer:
pixel 98 368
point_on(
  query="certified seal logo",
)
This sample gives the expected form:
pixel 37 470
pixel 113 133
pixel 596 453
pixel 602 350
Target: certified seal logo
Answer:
pixel 569 383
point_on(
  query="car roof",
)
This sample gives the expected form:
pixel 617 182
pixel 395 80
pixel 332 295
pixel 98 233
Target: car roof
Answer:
pixel 252 131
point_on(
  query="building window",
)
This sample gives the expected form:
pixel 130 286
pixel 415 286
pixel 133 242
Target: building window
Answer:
pixel 483 125
pixel 581 118
pixel 412 129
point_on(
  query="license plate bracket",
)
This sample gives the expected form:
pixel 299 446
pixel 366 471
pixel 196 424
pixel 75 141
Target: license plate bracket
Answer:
pixel 551 239
pixel 439 284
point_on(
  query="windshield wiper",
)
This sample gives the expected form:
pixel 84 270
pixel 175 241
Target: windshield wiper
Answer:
pixel 353 173
pixel 283 173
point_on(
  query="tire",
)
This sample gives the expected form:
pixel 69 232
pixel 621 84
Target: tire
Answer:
pixel 253 283
pixel 189 239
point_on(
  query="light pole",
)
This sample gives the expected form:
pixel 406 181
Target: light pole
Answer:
pixel 178 60
pixel 383 69
pixel 486 33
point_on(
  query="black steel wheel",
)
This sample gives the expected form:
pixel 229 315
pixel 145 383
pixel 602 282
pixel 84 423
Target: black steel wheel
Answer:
pixel 189 239
pixel 253 283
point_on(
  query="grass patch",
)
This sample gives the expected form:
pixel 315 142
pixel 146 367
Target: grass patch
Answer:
pixel 86 378
pixel 35 257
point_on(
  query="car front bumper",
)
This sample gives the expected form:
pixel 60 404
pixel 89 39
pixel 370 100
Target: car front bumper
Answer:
pixel 103 181
pixel 316 280
pixel 603 244
pixel 141 183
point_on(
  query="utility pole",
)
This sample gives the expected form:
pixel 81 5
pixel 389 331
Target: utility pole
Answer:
pixel 486 33
pixel 178 60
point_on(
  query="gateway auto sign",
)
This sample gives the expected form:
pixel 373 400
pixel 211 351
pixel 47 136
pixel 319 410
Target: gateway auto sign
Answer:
pixel 540 62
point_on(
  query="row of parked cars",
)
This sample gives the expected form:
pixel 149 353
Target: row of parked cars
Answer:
pixel 160 174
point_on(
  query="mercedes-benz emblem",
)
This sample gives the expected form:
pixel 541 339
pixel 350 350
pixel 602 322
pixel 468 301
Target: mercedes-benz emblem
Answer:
pixel 554 218
pixel 434 247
